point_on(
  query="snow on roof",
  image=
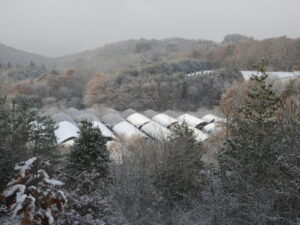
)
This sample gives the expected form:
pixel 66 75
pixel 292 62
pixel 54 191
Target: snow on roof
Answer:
pixel 73 112
pixel 164 120
pixel 85 116
pixel 128 112
pixel 192 120
pixel 172 113
pixel 92 111
pixel 65 131
pixel 68 143
pixel 150 113
pixel 209 128
pixel 209 118
pixel 156 131
pixel 112 119
pixel 212 127
pixel 138 119
pixel 104 130
pixel 199 135
pixel 102 110
pixel 51 111
pixel 127 130
pixel 59 117
pixel 280 74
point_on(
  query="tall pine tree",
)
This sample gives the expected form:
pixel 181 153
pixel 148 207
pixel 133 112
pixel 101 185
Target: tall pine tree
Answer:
pixel 24 133
pixel 179 171
pixel 250 161
pixel 89 152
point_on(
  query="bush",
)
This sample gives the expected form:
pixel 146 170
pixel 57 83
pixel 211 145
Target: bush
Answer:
pixel 33 194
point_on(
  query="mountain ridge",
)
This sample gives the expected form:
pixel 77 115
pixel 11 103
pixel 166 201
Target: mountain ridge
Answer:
pixel 236 50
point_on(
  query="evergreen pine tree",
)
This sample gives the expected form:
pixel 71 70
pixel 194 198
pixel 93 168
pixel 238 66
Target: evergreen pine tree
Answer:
pixel 180 169
pixel 42 137
pixel 32 133
pixel 249 160
pixel 89 152
pixel 5 147
pixel 24 133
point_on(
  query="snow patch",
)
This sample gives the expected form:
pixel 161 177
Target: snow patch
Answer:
pixel 53 182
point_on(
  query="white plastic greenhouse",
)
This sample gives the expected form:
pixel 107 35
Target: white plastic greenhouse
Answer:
pixel 156 131
pixel 209 118
pixel 85 116
pixel 104 130
pixel 192 120
pixel 112 119
pixel 164 120
pixel 138 119
pixel 65 132
pixel 199 135
pixel 127 130
pixel 60 117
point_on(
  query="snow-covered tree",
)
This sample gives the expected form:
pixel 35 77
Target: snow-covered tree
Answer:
pixel 32 196
pixel 42 140
pixel 5 148
pixel 179 170
pixel 24 133
pixel 89 152
pixel 31 130
pixel 258 167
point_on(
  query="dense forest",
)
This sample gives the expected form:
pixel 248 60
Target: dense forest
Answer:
pixel 160 86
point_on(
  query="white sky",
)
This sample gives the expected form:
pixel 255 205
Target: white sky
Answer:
pixel 59 27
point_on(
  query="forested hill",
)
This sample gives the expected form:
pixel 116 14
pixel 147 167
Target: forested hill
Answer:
pixel 280 54
pixel 235 50
pixel 10 55
pixel 132 53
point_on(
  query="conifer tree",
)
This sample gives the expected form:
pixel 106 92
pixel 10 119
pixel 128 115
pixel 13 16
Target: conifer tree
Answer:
pixel 250 161
pixel 89 152
pixel 32 133
pixel 5 147
pixel 179 171
pixel 24 133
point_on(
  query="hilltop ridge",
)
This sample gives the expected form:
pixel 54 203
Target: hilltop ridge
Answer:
pixel 280 53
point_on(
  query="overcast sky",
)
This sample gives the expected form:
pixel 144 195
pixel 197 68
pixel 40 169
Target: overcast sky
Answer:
pixel 59 27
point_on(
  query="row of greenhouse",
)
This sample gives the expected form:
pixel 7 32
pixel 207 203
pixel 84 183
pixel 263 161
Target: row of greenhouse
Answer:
pixel 130 124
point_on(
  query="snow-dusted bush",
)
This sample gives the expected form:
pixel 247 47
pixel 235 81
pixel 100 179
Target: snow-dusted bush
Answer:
pixel 89 210
pixel 32 195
